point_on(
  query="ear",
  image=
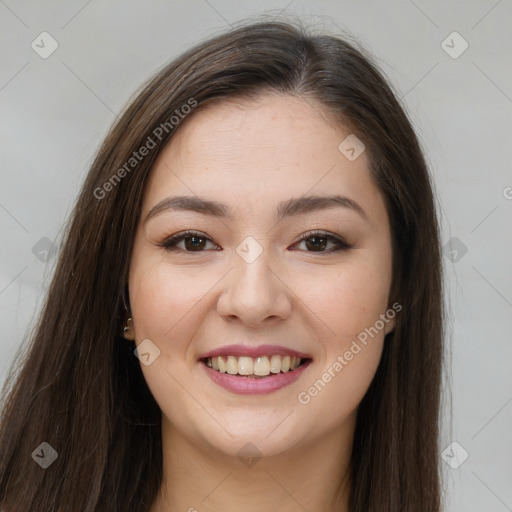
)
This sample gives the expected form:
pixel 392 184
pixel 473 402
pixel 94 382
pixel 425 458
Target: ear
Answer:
pixel 391 317
pixel 128 330
pixel 390 326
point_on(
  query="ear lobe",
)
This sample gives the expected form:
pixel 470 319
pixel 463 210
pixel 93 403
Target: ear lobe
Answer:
pixel 390 326
pixel 128 330
pixel 392 315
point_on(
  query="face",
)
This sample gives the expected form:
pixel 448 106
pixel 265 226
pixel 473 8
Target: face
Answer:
pixel 261 275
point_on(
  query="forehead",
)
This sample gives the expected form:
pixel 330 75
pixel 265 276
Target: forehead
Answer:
pixel 280 124
pixel 259 151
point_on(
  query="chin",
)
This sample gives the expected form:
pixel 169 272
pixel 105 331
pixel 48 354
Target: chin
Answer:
pixel 267 440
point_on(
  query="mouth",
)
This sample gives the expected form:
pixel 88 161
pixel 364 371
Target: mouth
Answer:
pixel 267 366
pixel 254 370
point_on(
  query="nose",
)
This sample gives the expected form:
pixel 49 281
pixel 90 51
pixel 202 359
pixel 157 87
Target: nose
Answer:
pixel 254 293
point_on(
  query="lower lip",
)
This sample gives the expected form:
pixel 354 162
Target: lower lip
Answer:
pixel 250 386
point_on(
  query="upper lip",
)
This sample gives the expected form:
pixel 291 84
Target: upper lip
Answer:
pixel 253 351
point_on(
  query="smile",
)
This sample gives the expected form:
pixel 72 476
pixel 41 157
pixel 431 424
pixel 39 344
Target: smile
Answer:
pixel 239 374
pixel 255 367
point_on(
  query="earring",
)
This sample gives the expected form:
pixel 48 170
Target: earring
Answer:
pixel 128 330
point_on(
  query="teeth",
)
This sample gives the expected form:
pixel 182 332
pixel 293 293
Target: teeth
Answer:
pixel 260 366
pixel 275 364
pixel 245 365
pixel 232 365
pixel 221 363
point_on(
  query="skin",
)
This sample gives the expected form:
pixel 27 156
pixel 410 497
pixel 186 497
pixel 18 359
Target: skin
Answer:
pixel 250 156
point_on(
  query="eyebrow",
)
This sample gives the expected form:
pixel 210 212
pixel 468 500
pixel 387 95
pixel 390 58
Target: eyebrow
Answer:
pixel 291 207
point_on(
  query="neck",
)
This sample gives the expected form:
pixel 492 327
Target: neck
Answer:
pixel 311 477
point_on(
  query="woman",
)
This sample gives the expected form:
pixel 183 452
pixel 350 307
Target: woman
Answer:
pixel 246 313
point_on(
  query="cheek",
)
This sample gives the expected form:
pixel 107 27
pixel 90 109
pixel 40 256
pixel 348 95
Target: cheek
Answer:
pixel 164 298
pixel 335 392
pixel 350 304
pixel 347 301
pixel 166 303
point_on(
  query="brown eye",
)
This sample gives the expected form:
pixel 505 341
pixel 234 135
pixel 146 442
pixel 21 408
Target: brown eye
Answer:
pixel 315 243
pixel 192 242
pixel 318 241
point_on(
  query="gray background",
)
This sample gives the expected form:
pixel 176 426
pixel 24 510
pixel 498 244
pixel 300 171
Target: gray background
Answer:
pixel 55 112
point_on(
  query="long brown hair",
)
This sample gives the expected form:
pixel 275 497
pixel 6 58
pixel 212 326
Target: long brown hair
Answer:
pixel 80 388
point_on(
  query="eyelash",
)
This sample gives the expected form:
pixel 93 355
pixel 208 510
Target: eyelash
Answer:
pixel 170 243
